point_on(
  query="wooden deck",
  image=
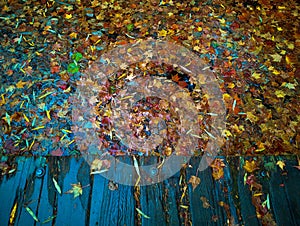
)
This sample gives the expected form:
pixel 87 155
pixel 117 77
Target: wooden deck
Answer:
pixel 228 201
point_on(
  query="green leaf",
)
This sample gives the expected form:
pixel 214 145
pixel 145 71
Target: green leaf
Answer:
pixel 32 213
pixel 130 27
pixel 73 68
pixel 77 56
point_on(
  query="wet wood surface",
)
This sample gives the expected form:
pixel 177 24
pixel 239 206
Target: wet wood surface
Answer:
pixel 171 202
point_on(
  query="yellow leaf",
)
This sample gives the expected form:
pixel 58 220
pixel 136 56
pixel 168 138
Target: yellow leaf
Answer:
pixel 252 117
pixel 276 57
pixel 21 84
pixel 231 85
pixel 13 214
pixel 256 75
pixel 162 33
pixel 291 45
pixel 276 72
pixel 227 133
pixel 76 190
pixel 195 181
pixel 222 21
pixel 250 166
pixel 281 164
pixel 68 16
pixel 280 93
pixel 73 35
pixel 196 48
pixel 199 28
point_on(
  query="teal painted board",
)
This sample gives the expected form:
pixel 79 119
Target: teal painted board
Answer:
pixel 206 191
pixel 31 195
pixel 69 210
pixel 11 190
pixel 284 194
pixel 114 205
pixel 171 192
pixel 247 209
pixel 45 209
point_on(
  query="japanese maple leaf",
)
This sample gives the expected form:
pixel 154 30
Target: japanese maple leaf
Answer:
pixel 76 190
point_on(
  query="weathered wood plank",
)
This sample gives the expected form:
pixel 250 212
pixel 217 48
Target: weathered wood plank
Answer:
pixel 45 209
pixel 171 193
pixel 70 210
pixel 31 194
pixel 207 189
pixel 111 207
pixel 11 190
pixel 281 197
pixel 151 199
pixel 152 203
pixel 247 209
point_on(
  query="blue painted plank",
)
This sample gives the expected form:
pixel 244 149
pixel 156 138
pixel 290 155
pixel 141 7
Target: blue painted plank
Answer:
pixel 112 207
pixel 45 208
pixel 69 209
pixel 11 189
pixel 31 195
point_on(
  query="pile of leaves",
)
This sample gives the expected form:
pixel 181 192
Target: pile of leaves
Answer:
pixel 251 46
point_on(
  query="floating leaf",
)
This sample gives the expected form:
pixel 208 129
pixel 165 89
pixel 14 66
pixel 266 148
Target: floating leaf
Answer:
pixel 205 202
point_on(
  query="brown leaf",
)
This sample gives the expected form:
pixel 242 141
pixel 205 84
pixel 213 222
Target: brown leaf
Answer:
pixel 205 202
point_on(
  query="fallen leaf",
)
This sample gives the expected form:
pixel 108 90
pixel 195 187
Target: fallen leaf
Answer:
pixel 217 169
pixel 56 186
pixel 281 164
pixel 76 190
pixel 32 213
pixel 140 212
pixel 276 57
pixel 21 84
pixel 205 202
pixel 13 214
pixel 280 93
pixel 195 181
pixel 250 166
